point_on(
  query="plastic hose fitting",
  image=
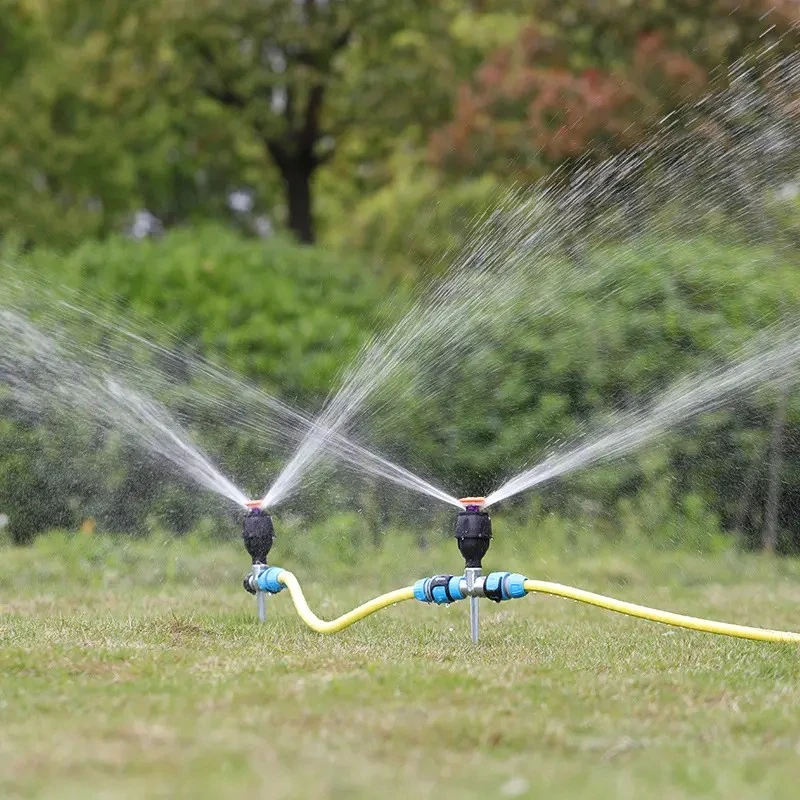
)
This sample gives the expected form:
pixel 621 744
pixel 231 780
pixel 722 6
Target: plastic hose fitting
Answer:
pixel 500 586
pixel 440 589
pixel 268 581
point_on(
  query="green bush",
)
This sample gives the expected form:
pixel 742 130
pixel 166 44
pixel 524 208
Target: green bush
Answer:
pixel 644 315
pixel 286 317
pixel 415 219
pixel 290 318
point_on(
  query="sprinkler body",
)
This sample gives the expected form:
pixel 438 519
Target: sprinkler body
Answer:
pixel 473 535
pixel 258 534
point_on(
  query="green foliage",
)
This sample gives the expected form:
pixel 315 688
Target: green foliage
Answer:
pixel 655 515
pixel 416 219
pixel 286 317
pixel 111 107
pixel 97 123
pixel 285 80
pixel 591 79
pixel 642 316
pixel 713 32
pixel 638 316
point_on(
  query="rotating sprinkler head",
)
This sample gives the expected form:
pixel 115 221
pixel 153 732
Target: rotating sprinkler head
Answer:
pixel 473 531
pixel 258 535
pixel 474 535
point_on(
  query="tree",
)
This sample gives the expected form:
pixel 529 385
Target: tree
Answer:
pixel 591 78
pixel 170 106
pixel 99 120
pixel 279 68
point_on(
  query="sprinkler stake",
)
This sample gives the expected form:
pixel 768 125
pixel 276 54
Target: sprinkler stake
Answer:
pixel 258 535
pixel 471 574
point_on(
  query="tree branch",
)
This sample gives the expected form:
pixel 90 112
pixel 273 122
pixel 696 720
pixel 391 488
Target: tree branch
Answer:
pixel 223 95
pixel 341 40
pixel 278 153
pixel 311 129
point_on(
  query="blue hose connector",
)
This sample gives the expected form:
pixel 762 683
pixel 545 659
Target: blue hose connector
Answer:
pixel 440 589
pixel 504 586
pixel 516 585
pixel 267 581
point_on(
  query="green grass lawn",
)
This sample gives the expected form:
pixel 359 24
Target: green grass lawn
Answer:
pixel 140 672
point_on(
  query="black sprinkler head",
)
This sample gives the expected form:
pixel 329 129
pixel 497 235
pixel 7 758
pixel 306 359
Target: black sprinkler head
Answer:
pixel 473 531
pixel 258 534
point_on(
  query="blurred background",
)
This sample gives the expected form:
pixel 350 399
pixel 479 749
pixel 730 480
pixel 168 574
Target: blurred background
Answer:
pixel 270 183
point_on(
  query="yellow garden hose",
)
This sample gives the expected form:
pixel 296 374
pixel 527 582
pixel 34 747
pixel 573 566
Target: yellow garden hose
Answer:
pixel 655 615
pixel 287 579
pixel 346 620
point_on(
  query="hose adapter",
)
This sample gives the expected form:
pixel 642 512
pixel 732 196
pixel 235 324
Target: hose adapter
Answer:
pixel 440 589
pixel 500 586
pixel 268 581
pixel 473 531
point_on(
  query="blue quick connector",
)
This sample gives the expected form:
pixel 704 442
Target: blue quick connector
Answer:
pixel 454 587
pixel 504 586
pixel 267 581
pixel 440 589
pixel 516 585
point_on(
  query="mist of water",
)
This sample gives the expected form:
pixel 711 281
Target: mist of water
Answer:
pixel 725 157
pixel 684 400
pixel 41 376
pixel 490 280
pixel 132 354
pixel 722 157
pixel 244 406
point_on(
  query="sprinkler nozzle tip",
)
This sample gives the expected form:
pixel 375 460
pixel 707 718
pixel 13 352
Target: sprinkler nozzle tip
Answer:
pixel 253 505
pixel 473 503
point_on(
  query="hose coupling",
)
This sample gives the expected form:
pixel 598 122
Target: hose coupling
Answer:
pixel 263 580
pixel 440 589
pixel 267 581
pixel 500 586
pixel 250 581
pixel 496 586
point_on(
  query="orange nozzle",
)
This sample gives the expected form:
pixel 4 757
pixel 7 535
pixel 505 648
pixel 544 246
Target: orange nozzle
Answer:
pixel 253 504
pixel 473 501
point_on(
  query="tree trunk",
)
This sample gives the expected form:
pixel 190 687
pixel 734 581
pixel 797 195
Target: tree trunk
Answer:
pixel 297 174
pixel 769 538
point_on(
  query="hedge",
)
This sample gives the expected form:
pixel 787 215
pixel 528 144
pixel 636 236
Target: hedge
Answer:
pixel 289 318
